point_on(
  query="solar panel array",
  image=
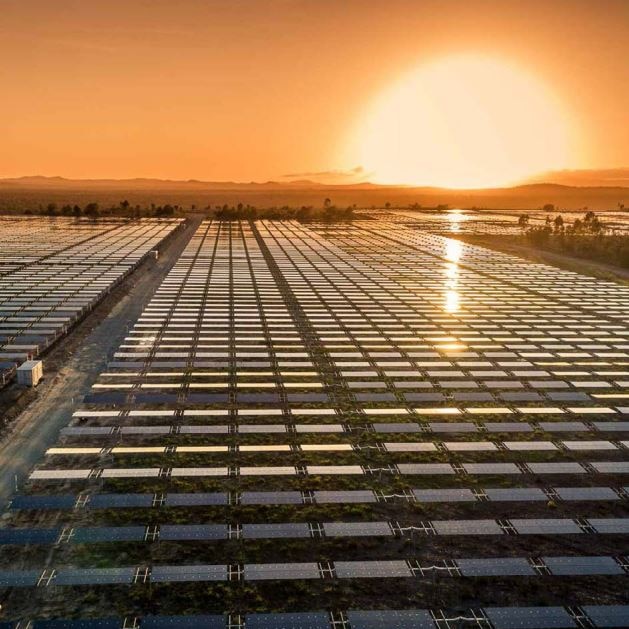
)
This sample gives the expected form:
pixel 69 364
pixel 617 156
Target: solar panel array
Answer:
pixel 52 271
pixel 308 416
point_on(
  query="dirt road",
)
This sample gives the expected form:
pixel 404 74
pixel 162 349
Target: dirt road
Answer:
pixel 37 427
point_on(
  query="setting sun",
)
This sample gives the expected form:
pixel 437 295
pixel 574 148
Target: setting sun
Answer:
pixel 463 122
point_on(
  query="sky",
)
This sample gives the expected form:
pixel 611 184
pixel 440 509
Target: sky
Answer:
pixel 260 90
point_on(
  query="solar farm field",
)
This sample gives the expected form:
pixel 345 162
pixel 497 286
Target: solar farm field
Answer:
pixel 357 426
pixel 53 271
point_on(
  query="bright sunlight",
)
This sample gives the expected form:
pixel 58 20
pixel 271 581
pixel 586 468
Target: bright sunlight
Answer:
pixel 463 122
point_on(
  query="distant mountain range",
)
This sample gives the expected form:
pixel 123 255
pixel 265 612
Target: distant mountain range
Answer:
pixel 596 189
pixel 592 178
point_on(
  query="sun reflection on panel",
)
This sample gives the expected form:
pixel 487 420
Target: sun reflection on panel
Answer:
pixel 452 301
pixel 454 251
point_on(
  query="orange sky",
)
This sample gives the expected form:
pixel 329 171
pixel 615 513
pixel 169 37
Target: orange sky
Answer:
pixel 257 89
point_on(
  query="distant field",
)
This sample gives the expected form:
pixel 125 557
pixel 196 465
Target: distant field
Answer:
pixel 18 198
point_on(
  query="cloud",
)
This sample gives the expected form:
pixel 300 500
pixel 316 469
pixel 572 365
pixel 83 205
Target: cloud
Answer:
pixel 354 174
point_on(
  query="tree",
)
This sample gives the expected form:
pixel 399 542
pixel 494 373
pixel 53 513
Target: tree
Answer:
pixel 327 203
pixel 124 204
pixel 523 220
pixel 558 223
pixel 549 207
pixel 51 209
pixel 76 211
pixel 91 210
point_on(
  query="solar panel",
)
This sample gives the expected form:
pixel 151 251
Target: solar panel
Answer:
pixel 205 621
pixel 116 501
pixel 556 468
pixel 91 623
pixel 198 430
pixel 19 578
pixel 166 574
pixel 94 576
pixel 371 569
pixel 196 500
pixel 565 566
pixel 425 468
pixel 29 536
pixel 271 498
pixel 175 532
pixel 508 427
pixel 356 529
pixel 610 525
pixel 529 617
pixel 515 494
pixel 444 495
pixel 448 427
pixel 491 468
pixel 275 571
pixel 299 620
pixel 608 615
pixel 587 493
pixel 562 426
pixel 612 426
pixel 108 534
pixel 547 526
pixel 391 619
pixel 498 566
pixel 268 531
pixel 611 467
pixel 43 502
pixel 466 527
pixel 334 469
pixel 401 427
pixel 350 496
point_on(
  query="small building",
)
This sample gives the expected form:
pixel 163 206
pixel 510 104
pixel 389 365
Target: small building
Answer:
pixel 30 373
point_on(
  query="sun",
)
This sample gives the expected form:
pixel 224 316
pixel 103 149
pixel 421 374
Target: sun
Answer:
pixel 463 122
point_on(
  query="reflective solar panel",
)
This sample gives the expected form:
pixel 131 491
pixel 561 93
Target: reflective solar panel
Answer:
pixel 92 535
pixel 164 574
pixel 529 617
pixel 372 569
pixel 196 500
pixel 515 494
pixel 444 495
pixel 610 525
pixel 466 527
pixel 498 566
pixel 267 531
pixel 43 502
pixel 174 532
pixel 556 468
pixel 350 496
pixel 296 620
pixel 19 578
pixel 116 501
pixel 94 576
pixel 582 565
pixel 587 493
pixel 546 526
pixel 271 498
pixel 206 621
pixel 92 623
pixel 274 571
pixel 29 536
pixel 608 615
pixel 390 619
pixel 356 529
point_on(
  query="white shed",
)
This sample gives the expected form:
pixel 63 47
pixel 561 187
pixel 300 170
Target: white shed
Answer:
pixel 30 373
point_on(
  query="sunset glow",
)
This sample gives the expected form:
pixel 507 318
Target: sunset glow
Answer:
pixel 464 122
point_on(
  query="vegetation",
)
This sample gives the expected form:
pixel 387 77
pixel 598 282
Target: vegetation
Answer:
pixel 586 238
